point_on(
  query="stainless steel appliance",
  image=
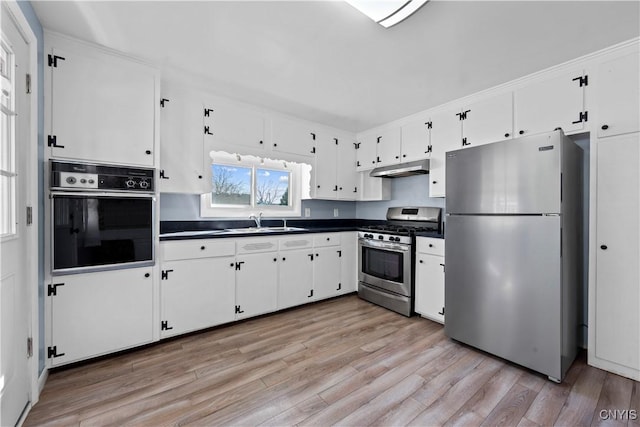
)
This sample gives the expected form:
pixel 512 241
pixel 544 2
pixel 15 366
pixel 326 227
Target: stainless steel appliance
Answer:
pixel 386 256
pixel 513 256
pixel 102 217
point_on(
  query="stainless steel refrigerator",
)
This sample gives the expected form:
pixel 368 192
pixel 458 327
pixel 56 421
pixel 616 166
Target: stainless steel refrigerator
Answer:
pixel 513 250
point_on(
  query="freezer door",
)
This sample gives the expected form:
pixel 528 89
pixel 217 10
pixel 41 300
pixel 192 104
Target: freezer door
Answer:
pixel 519 176
pixel 503 287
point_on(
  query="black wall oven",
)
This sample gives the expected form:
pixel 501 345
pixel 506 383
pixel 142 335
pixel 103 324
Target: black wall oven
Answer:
pixel 103 224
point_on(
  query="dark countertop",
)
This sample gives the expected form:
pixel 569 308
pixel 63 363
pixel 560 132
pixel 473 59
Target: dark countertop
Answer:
pixel 214 229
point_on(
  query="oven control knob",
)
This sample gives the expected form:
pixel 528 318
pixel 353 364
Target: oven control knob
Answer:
pixel 83 181
pixel 143 184
pixel 397 239
pixel 368 236
pixel 130 183
pixel 380 237
pixel 91 181
pixel 71 180
pixel 391 238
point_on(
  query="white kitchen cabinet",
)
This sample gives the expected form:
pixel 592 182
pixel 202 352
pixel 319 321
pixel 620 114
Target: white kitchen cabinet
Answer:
pixel 618 97
pixel 196 294
pixel 295 275
pixel 367 147
pixel 325 171
pixel 182 158
pixel 416 137
pixel 347 177
pixel 429 287
pixel 488 120
pixel 388 146
pixel 233 127
pixel 256 284
pixel 98 313
pixel 349 262
pixel 292 136
pixel 614 319
pixel 326 272
pixel 446 134
pixel 545 105
pixel 101 107
pixel 373 188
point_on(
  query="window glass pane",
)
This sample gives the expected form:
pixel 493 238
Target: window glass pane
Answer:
pixel 272 187
pixel 231 185
pixel 5 143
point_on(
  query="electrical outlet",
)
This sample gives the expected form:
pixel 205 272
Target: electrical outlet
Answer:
pixel 307 212
pixel 335 212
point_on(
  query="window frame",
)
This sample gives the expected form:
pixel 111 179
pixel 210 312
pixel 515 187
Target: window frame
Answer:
pixel 7 83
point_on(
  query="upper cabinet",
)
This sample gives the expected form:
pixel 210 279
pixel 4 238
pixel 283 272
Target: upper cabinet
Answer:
pixel 549 104
pixel 227 125
pixel 388 147
pixel 292 136
pixel 618 96
pixel 488 120
pixel 102 106
pixel 334 171
pixel 182 161
pixel 446 135
pixel 366 154
pixel 416 140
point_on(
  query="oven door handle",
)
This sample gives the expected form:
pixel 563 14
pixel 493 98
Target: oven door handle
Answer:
pixel 384 245
pixel 93 194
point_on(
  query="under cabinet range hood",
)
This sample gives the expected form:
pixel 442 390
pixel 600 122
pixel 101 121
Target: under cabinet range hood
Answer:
pixel 418 167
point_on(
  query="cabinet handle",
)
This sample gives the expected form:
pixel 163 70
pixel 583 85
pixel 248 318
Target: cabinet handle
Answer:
pixel 284 259
pixel 441 312
pixel 202 248
pixel 148 152
pixel 147 274
pixel 603 247
pixel 232 264
pixel 421 262
pixel 430 245
pixel 521 132
pixel 199 176
pixel 340 188
pixel 397 157
pixel 275 145
pixel 404 155
pixel 328 239
pixel 604 127
pixel 434 182
pixel 506 135
pixel 317 255
pixel 261 142
pixel 275 259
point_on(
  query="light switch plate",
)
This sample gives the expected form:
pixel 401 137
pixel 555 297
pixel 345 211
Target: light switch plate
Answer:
pixel 307 212
pixel 335 212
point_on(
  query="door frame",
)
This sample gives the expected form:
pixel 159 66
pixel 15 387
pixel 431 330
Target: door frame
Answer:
pixel 31 199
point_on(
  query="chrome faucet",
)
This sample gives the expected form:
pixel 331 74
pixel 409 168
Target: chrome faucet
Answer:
pixel 257 219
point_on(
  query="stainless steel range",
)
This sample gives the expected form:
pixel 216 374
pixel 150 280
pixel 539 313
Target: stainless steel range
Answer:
pixel 386 256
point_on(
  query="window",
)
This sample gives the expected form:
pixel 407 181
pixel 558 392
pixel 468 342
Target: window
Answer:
pixel 7 144
pixel 246 185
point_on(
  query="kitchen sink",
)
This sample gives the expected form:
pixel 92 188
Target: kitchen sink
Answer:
pixel 252 230
pixel 192 233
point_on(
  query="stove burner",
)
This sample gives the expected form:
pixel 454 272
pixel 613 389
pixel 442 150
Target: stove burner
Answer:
pixel 399 229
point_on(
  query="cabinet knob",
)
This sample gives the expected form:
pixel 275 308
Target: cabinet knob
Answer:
pixel 404 155
pixel 199 176
pixel 340 188
pixel 434 182
pixel 284 259
pixel 603 247
pixel 231 265
pixel 202 248
pixel 275 145
pixel 604 127
pixel 261 142
pixel 148 152
pixel 397 157
pixel 328 238
pixel 318 186
pixel 521 132
pixel 275 259
pixel 147 274
pixel 430 245
pixel 421 262
pixel 506 135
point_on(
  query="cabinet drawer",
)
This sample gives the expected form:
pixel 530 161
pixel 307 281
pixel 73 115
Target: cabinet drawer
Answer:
pixel 295 242
pixel 328 239
pixel 255 245
pixel 430 245
pixel 197 248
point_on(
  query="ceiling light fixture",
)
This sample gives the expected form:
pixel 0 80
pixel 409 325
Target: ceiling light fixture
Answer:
pixel 387 12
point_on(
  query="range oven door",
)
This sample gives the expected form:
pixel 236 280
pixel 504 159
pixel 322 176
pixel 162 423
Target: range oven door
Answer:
pixel 385 265
pixel 100 232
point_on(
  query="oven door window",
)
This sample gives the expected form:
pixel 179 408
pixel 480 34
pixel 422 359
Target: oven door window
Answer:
pixel 383 264
pixel 93 231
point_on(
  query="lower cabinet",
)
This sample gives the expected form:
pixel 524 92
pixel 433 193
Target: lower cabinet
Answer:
pixel 429 289
pixel 256 284
pixel 295 274
pixel 99 313
pixel 196 294
pixel 326 272
pixel 349 262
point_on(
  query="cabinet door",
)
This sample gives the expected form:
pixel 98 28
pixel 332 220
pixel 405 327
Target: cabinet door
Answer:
pixel 550 104
pixel 372 188
pixel 366 152
pixel 416 137
pixel 295 282
pixel 446 134
pixel 196 294
pixel 102 108
pixel 617 319
pixel 227 125
pixel 326 272
pixel 99 313
pixel 489 120
pixel 388 151
pixel 349 262
pixel 430 286
pixel 619 96
pixel 325 169
pixel 292 136
pixel 256 284
pixel 347 176
pixel 181 142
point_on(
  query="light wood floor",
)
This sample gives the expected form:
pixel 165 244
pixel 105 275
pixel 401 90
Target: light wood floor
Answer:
pixel 342 361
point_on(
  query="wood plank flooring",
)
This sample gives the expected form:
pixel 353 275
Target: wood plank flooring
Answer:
pixel 343 362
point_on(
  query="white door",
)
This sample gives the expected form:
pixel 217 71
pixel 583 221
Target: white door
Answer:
pixel 326 272
pixel 489 120
pixel 366 153
pixel 415 140
pixel 347 177
pixel 619 96
pixel 430 286
pixel 14 294
pixel 296 278
pixel 325 168
pixel 388 151
pixel 256 284
pixel 292 136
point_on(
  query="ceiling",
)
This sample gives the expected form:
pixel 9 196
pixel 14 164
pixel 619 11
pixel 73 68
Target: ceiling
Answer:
pixel 325 62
